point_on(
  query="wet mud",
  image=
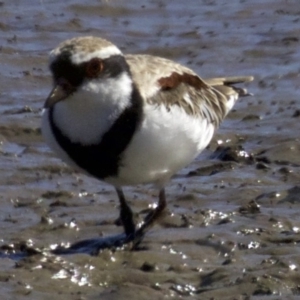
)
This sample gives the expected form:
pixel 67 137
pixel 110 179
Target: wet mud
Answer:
pixel 232 229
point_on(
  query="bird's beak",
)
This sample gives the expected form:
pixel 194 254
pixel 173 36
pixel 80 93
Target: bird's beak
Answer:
pixel 56 95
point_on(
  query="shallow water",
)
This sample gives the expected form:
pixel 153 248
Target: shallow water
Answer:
pixel 232 230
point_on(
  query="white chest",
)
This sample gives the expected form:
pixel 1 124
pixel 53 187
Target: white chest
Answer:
pixel 88 113
pixel 166 142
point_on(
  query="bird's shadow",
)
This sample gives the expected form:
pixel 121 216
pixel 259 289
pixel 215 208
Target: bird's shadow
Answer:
pixel 20 250
pixel 94 246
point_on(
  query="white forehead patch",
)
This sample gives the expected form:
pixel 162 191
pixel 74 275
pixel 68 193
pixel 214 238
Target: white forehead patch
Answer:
pixel 81 56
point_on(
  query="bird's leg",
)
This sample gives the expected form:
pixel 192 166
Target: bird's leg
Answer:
pixel 153 215
pixel 93 246
pixel 126 215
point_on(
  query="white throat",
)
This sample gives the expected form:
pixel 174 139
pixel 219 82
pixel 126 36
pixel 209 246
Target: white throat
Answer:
pixel 87 114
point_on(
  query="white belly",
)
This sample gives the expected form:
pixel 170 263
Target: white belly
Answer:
pixel 165 143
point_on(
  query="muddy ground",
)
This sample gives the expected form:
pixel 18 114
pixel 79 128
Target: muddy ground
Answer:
pixel 233 225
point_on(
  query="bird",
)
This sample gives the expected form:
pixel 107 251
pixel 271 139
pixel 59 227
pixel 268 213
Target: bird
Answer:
pixel 129 119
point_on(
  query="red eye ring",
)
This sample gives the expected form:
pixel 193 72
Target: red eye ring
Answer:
pixel 94 68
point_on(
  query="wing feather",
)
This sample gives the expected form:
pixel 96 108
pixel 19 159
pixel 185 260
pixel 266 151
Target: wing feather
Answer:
pixel 164 82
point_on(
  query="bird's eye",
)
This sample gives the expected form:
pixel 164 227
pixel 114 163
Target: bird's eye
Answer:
pixel 94 67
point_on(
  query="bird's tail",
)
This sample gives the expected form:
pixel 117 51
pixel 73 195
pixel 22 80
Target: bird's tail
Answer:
pixel 227 87
pixel 227 84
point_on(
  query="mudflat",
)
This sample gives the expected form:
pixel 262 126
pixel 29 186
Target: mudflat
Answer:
pixel 232 229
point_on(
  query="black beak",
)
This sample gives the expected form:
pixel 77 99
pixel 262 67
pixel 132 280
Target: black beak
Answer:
pixel 56 95
pixel 60 92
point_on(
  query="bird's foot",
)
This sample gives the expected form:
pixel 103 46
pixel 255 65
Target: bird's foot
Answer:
pixel 130 239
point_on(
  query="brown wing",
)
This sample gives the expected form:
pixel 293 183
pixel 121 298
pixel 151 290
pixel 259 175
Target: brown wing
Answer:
pixel 164 82
pixel 192 94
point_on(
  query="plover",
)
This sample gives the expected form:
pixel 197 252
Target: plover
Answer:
pixel 131 119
